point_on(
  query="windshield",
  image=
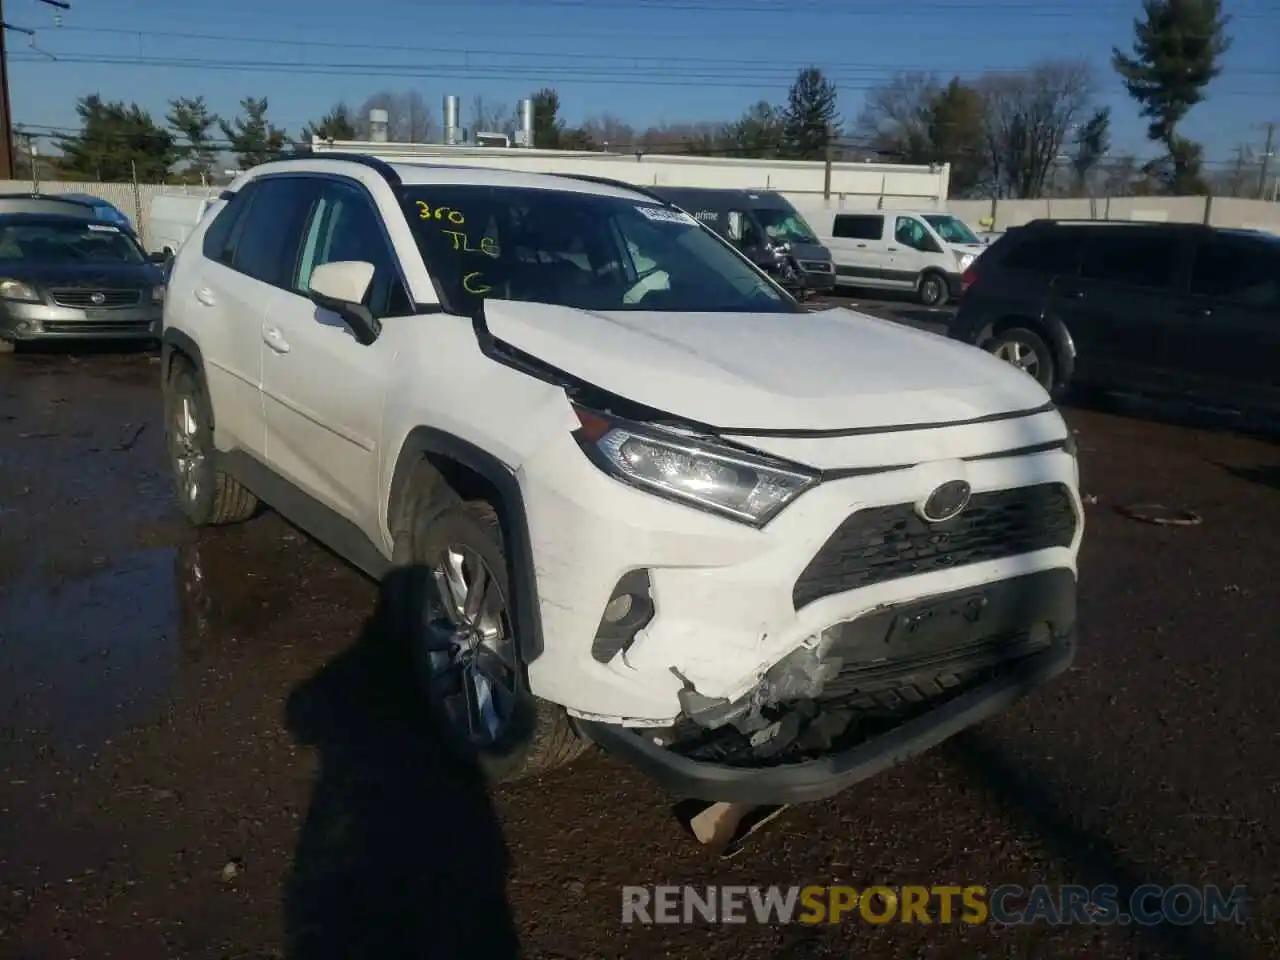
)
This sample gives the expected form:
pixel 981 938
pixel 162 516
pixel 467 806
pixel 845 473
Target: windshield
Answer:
pixel 951 230
pixel 784 225
pixel 580 250
pixel 66 241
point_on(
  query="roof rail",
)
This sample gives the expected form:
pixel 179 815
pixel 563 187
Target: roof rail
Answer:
pixel 621 184
pixel 384 169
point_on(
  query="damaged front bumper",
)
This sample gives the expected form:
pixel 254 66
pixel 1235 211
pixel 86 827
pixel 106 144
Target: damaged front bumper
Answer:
pixel 870 694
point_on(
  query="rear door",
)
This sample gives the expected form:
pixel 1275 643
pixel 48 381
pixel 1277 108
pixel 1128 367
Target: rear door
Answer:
pixel 224 309
pixel 858 248
pixel 1224 335
pixel 1117 309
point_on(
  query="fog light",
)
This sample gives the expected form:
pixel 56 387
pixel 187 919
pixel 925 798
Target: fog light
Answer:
pixel 630 609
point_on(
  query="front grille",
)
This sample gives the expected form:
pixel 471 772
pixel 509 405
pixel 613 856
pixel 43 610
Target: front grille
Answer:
pixel 83 298
pixel 817 266
pixel 886 543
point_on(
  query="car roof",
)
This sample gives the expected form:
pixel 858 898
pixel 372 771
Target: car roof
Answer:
pixel 411 174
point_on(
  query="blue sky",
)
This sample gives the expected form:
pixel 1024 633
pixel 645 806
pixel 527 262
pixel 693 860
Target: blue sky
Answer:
pixel 668 60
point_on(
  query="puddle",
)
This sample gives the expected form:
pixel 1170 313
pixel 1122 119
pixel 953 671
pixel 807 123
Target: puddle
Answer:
pixel 85 657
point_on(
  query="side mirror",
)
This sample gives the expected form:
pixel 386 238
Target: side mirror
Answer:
pixel 158 256
pixel 340 287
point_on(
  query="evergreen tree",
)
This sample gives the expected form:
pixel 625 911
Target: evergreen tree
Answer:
pixel 547 125
pixel 192 120
pixel 1177 50
pixel 811 116
pixel 116 142
pixel 253 138
pixel 334 125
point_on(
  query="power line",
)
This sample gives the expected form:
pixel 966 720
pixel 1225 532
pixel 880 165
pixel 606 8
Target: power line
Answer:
pixel 491 51
pixel 552 73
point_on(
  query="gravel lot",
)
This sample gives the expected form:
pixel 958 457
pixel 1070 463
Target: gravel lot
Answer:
pixel 204 755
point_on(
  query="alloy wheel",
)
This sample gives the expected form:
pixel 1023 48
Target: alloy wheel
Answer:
pixel 188 455
pixel 1021 355
pixel 465 658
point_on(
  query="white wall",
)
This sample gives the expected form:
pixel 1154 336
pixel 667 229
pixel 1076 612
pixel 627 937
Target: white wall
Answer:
pixel 850 182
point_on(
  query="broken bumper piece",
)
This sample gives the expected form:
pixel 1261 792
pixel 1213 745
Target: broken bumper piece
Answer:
pixel 872 693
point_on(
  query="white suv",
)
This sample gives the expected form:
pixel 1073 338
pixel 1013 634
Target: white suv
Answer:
pixel 619 487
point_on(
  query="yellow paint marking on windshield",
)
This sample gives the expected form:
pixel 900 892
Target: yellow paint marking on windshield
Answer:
pixel 475 286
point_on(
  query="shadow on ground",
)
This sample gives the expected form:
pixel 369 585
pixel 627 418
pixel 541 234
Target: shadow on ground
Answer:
pixel 1176 413
pixel 1264 476
pixel 1093 861
pixel 401 854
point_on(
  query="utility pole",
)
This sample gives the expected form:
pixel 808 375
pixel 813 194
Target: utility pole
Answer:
pixel 1239 174
pixel 6 117
pixel 1266 159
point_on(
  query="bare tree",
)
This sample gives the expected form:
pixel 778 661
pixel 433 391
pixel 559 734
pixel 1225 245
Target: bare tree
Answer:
pixel 488 116
pixel 409 119
pixel 1027 118
pixel 610 132
pixel 894 117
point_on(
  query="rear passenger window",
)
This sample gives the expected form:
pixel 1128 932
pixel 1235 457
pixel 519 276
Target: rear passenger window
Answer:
pixel 1238 271
pixel 1055 254
pixel 1120 256
pixel 267 248
pixel 858 227
pixel 219 239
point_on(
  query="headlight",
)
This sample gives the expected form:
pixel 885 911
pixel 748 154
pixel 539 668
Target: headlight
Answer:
pixel 157 294
pixel 17 290
pixel 965 261
pixel 743 486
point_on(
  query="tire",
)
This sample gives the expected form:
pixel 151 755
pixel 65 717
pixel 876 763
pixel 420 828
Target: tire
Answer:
pixel 1027 351
pixel 536 736
pixel 931 290
pixel 207 495
pixel 7 346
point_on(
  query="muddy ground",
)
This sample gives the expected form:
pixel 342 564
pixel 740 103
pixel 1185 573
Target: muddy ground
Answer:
pixel 205 754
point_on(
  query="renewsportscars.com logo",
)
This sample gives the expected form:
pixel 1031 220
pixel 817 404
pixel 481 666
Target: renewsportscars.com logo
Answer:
pixel 1147 905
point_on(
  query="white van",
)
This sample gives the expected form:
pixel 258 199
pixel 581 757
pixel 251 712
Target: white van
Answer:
pixel 898 250
pixel 172 218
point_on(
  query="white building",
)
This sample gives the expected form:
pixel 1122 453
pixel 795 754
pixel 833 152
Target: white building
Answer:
pixel 851 184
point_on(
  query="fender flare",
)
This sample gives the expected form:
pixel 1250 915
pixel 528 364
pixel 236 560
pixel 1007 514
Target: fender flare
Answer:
pixel 174 341
pixel 423 441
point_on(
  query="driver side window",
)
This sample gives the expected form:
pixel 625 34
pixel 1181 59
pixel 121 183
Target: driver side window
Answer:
pixel 910 232
pixel 346 226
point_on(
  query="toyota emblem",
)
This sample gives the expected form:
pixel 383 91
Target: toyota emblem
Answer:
pixel 945 502
pixel 98 299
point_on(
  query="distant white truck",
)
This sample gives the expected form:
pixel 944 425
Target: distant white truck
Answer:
pixel 173 217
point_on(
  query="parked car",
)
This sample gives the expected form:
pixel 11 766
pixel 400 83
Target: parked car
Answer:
pixel 619 486
pixel 65 277
pixel 173 217
pixel 767 228
pixel 889 249
pixel 1161 308
pixel 102 209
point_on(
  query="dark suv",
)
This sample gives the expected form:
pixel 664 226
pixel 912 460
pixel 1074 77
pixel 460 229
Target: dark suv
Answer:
pixel 1158 308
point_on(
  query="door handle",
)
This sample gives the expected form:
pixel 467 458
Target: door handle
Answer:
pixel 892 249
pixel 205 296
pixel 274 339
pixel 1073 294
pixel 1196 312
pixel 861 246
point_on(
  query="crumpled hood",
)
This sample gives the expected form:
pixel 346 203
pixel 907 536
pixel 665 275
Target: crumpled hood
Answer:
pixel 829 370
